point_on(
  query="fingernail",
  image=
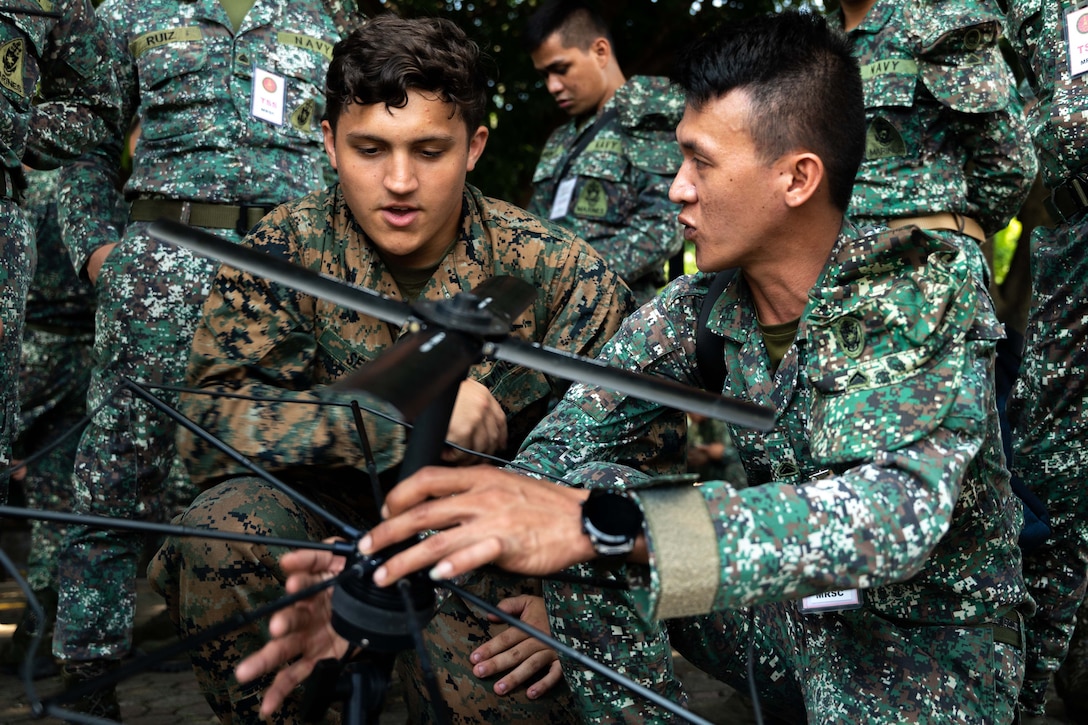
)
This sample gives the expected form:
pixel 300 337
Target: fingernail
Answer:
pixel 385 511
pixel 478 670
pixel 380 575
pixel 531 694
pixel 501 687
pixel 475 657
pixel 442 570
pixel 364 544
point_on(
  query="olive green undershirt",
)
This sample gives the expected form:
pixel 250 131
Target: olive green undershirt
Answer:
pixel 236 10
pixel 411 280
pixel 777 339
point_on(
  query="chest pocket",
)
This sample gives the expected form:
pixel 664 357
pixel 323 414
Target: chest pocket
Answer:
pixel 548 165
pixel 889 87
pixel 601 193
pixel 169 62
pixel 302 60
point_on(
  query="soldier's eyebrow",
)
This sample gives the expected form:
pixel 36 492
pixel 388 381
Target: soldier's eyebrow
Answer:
pixel 362 136
pixel 689 145
pixel 559 66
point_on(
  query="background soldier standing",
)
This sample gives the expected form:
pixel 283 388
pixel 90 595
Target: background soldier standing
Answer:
pixel 1048 409
pixel 605 174
pixel 229 98
pixel 58 53
pixel 53 381
pixel 946 147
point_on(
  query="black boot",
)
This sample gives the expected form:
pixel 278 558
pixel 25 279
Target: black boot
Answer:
pixel 14 652
pixel 100 702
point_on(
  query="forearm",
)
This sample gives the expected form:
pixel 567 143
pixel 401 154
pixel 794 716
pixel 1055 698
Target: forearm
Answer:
pixel 874 524
pixel 279 429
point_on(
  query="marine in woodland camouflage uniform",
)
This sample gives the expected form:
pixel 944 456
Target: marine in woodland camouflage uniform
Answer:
pixel 620 203
pixel 605 174
pixel 280 350
pixel 302 345
pixel 1047 409
pixel 57 94
pixel 193 79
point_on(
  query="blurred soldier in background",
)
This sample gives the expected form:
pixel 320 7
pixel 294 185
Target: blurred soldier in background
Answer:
pixel 605 174
pixel 229 96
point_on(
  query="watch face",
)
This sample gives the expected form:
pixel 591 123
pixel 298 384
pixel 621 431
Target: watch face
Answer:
pixel 612 521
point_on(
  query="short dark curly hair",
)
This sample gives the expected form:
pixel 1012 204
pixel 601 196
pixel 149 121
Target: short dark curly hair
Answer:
pixel 387 56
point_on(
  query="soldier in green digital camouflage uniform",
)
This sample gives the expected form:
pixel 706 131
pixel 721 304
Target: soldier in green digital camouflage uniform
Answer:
pixel 229 96
pixel 53 382
pixel 402 222
pixel 54 50
pixel 946 147
pixel 612 190
pixel 1048 410
pixel 882 472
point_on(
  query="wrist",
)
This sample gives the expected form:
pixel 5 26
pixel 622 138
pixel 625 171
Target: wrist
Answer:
pixel 612 521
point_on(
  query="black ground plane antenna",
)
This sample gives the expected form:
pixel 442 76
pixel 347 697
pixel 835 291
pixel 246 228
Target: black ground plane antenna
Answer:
pixel 451 314
pixel 419 377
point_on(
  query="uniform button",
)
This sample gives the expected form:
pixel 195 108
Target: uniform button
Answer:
pixel 243 58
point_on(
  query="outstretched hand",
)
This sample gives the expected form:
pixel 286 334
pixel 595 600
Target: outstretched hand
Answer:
pixel 482 515
pixel 301 632
pixel 524 656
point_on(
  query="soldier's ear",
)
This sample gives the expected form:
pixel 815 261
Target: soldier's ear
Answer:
pixel 802 174
pixel 476 143
pixel 601 50
pixel 330 142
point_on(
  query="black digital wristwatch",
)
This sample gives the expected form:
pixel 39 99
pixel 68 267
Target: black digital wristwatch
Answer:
pixel 612 521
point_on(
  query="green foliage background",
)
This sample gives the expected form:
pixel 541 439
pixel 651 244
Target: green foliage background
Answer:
pixel 647 33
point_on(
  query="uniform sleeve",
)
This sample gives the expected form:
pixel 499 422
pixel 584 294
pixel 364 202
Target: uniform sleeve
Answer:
pixel 877 523
pixel 976 84
pixel 1002 164
pixel 257 345
pixel 79 102
pixel 592 425
pixel 89 191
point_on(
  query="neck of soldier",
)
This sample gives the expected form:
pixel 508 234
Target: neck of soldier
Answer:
pixel 781 279
pixel 615 80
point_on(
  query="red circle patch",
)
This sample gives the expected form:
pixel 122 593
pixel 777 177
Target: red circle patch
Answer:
pixel 269 85
pixel 1082 24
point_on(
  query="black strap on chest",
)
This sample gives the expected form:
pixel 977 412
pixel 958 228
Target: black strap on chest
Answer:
pixel 579 147
pixel 709 345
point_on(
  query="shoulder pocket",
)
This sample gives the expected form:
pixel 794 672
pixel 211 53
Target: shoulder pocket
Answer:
pixel 885 366
pixel 965 71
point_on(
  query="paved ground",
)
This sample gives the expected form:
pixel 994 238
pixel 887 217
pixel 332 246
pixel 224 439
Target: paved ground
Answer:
pixel 154 698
